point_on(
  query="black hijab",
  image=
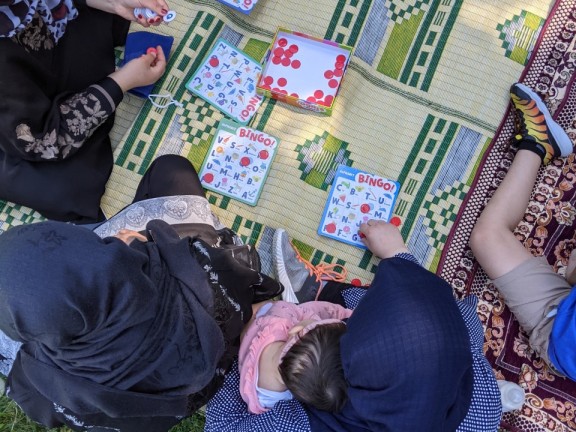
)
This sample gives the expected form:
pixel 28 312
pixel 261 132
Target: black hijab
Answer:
pixel 107 328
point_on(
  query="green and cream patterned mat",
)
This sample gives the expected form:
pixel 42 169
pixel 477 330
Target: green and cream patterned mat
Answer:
pixel 425 91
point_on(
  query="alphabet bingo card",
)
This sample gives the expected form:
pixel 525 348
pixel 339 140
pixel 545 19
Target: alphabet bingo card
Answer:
pixel 227 79
pixel 244 6
pixel 238 162
pixel 355 197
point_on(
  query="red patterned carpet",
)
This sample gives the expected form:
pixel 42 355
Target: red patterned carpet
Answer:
pixel 548 229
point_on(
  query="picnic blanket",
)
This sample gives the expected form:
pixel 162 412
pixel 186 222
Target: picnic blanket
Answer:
pixel 547 229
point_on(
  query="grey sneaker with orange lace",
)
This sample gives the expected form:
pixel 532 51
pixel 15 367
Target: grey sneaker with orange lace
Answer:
pixel 302 280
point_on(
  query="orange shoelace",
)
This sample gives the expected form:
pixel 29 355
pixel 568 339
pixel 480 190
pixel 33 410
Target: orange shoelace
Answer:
pixel 323 271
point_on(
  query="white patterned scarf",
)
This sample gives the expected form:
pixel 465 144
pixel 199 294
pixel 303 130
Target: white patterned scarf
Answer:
pixel 15 15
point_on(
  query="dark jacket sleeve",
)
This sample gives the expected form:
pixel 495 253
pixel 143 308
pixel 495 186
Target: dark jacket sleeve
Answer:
pixel 37 122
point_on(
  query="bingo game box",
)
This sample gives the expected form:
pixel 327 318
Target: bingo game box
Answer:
pixel 244 6
pixel 227 79
pixel 304 71
pixel 238 161
pixel 355 197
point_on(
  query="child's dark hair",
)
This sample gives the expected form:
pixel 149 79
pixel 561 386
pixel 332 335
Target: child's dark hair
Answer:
pixel 312 368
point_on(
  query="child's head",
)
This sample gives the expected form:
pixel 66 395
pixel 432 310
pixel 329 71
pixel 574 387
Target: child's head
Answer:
pixel 312 369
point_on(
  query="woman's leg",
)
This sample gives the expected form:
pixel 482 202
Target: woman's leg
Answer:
pixel 169 175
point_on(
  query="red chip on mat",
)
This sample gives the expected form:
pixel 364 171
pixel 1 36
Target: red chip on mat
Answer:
pixel 276 60
pixel 293 48
pixel 285 61
pixel 396 221
pixel 328 100
pixel 333 83
pixel 278 52
pixel 338 73
pixel 268 80
pixel 294 95
pixel 339 65
pixel 328 74
pixel 318 94
pixel 288 54
pixel 282 82
pixel 357 282
pixel 341 58
pixel 311 99
pixel 296 64
pixel 282 42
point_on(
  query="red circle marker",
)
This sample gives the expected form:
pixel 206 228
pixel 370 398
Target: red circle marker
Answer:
pixel 341 58
pixel 338 72
pixel 285 61
pixel 293 48
pixel 214 62
pixel 263 154
pixel 151 50
pixel 294 95
pixel 268 80
pixel 339 65
pixel 282 82
pixel 208 178
pixel 396 221
pixel 365 208
pixel 278 52
pixel 288 54
pixel 282 42
pixel 333 83
pixel 276 89
pixel 330 228
pixel 328 100
pixel 318 94
pixel 328 74
pixel 265 86
pixel 276 60
pixel 357 282
pixel 311 99
pixel 284 91
pixel 245 161
pixel 296 64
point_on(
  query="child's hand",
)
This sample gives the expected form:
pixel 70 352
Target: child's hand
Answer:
pixel 382 238
pixel 141 71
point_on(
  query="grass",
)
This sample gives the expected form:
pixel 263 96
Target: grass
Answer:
pixel 12 419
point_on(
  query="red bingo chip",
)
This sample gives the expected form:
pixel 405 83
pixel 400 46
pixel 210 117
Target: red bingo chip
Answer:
pixel 288 54
pixel 278 52
pixel 282 82
pixel 276 60
pixel 328 100
pixel 333 83
pixel 268 80
pixel 318 94
pixel 286 61
pixel 296 64
pixel 293 48
pixel 338 73
pixel 311 99
pixel 294 95
pixel 282 42
pixel 396 221
pixel 339 65
pixel 328 74
pixel 341 58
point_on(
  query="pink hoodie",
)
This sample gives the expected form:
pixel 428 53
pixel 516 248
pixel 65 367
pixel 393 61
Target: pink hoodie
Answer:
pixel 273 326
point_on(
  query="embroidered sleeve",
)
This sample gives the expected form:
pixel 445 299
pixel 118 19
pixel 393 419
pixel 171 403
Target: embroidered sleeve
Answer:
pixel 407 256
pixel 79 116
